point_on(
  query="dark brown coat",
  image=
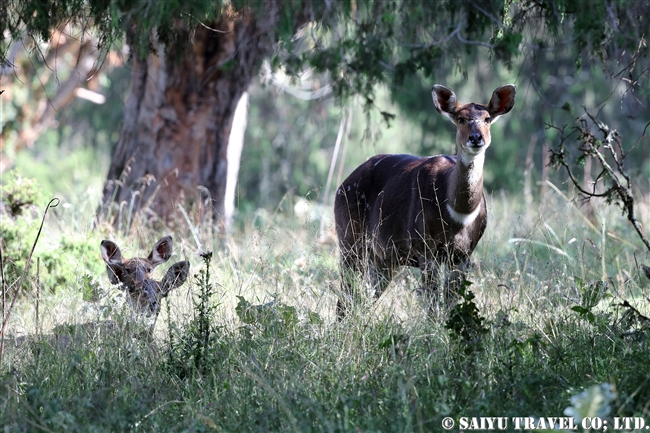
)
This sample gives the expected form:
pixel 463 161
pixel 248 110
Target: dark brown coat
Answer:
pixel 403 210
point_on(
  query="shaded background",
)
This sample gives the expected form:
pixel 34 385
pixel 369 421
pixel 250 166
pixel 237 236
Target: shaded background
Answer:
pixel 289 141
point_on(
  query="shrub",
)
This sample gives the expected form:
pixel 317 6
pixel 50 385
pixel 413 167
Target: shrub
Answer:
pixel 19 224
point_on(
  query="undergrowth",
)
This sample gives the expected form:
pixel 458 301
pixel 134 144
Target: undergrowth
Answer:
pixel 541 329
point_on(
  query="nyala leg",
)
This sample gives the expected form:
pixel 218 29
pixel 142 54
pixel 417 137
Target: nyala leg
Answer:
pixel 349 275
pixel 430 290
pixel 456 277
pixel 378 276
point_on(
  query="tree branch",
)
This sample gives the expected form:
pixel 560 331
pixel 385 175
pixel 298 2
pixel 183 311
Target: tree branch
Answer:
pixel 619 191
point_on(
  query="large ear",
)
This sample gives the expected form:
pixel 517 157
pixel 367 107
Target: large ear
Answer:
pixel 445 101
pixel 110 252
pixel 117 273
pixel 161 252
pixel 175 276
pixel 503 99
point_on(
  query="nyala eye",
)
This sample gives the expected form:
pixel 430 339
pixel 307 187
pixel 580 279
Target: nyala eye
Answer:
pixel 461 120
pixel 488 120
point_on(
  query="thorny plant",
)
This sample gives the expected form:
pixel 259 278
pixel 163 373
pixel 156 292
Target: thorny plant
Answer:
pixel 195 349
pixel 608 147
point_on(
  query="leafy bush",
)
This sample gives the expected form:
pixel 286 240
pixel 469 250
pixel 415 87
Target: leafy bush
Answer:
pixel 19 225
pixel 465 321
pixel 19 194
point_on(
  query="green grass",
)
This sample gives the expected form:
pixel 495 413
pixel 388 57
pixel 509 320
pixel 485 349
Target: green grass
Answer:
pixel 387 367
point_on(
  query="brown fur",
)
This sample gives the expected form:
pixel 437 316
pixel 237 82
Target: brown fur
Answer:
pixel 393 209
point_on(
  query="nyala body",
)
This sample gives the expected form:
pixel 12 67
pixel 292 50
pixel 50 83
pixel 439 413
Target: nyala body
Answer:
pixel 403 210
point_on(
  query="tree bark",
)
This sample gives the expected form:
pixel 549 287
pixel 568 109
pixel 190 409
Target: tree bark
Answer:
pixel 173 147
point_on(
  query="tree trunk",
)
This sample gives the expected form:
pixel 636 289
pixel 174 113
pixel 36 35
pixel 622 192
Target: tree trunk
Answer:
pixel 235 146
pixel 173 147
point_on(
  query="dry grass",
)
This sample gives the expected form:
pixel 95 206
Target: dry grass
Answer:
pixel 386 363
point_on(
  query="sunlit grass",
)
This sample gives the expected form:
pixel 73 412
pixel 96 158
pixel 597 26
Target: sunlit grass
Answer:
pixel 387 364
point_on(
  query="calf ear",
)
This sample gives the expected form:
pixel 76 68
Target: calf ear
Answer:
pixel 175 276
pixel 161 252
pixel 110 252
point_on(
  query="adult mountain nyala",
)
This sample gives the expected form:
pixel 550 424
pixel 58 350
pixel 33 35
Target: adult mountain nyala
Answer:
pixel 403 210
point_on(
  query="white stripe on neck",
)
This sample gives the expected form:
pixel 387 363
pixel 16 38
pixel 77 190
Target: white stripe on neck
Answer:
pixel 463 219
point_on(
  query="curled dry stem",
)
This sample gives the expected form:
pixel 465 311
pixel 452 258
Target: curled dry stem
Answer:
pixel 7 314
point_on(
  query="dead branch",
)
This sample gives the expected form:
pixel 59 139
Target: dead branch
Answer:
pixel 603 145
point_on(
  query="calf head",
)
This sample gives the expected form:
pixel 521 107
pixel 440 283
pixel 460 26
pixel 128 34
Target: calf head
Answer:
pixel 135 274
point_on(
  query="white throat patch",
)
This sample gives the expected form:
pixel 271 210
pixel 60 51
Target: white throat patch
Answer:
pixel 476 172
pixel 463 219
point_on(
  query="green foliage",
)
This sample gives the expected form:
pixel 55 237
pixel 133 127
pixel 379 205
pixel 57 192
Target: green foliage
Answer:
pixel 465 321
pixel 506 47
pixel 102 385
pixel 73 260
pixel 67 173
pixel 359 44
pixel 591 294
pixel 19 194
pixel 271 319
pixel 52 412
pixel 192 351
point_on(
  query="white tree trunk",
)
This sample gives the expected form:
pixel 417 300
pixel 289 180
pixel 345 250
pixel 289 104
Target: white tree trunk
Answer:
pixel 235 146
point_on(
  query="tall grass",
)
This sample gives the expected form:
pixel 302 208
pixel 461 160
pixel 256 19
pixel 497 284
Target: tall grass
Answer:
pixel 547 278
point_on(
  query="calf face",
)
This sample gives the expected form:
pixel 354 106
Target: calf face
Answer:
pixel 135 274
